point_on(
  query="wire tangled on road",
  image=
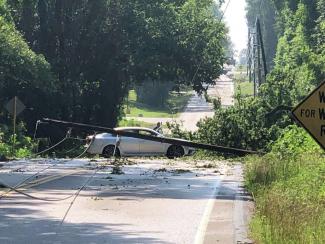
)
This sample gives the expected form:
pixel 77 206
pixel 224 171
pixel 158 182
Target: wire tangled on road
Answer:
pixel 22 183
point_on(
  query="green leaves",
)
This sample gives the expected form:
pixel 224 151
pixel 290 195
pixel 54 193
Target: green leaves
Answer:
pixel 22 72
pixel 296 69
pixel 244 125
pixel 182 42
pixel 98 49
pixel 294 141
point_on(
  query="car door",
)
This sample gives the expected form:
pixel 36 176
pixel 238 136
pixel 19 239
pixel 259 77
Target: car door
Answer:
pixel 148 147
pixel 129 145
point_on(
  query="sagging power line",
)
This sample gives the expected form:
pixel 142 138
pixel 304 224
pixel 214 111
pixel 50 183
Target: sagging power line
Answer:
pixel 220 19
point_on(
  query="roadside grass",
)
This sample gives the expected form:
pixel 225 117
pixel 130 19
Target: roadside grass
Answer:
pixel 242 86
pixel 246 89
pixel 175 105
pixel 288 185
pixel 142 110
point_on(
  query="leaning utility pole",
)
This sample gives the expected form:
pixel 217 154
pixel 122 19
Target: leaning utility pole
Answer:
pixel 258 45
pixel 261 46
pixel 248 57
pixel 254 58
pixel 256 61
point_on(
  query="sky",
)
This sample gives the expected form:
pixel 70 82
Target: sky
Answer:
pixel 236 21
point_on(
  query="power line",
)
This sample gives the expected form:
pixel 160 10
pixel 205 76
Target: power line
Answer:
pixel 220 19
pixel 260 7
pixel 223 13
pixel 77 194
pixel 257 67
pixel 19 185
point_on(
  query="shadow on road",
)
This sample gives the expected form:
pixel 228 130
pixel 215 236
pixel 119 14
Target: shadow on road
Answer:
pixel 16 226
pixel 18 223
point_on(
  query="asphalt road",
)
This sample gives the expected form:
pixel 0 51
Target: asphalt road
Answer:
pixel 224 89
pixel 153 201
pixel 197 108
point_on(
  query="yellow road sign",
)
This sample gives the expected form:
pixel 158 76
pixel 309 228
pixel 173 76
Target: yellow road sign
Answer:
pixel 310 113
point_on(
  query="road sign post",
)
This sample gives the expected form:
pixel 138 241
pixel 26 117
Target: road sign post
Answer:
pixel 14 125
pixel 14 107
pixel 310 113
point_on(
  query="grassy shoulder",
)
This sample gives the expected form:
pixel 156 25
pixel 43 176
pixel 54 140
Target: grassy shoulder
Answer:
pixel 242 85
pixel 176 104
pixel 133 122
pixel 289 190
pixel 245 88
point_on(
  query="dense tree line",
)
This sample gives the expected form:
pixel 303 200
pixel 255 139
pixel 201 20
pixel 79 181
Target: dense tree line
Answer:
pixel 299 62
pixel 290 176
pixel 154 93
pixel 22 72
pixel 280 20
pixel 81 56
pixel 298 67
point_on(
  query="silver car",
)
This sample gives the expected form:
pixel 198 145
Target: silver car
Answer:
pixel 104 144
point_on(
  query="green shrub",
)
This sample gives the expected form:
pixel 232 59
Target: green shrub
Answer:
pixel 24 145
pixel 244 125
pixel 4 149
pixel 294 141
pixel 176 131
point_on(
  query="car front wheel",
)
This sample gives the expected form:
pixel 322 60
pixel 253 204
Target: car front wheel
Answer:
pixel 175 151
pixel 108 151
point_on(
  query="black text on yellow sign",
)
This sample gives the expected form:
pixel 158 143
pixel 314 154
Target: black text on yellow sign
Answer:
pixel 311 114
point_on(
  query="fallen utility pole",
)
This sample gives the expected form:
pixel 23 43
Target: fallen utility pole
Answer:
pixel 173 141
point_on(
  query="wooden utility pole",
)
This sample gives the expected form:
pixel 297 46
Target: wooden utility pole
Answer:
pixel 248 56
pixel 261 45
pixel 256 62
pixel 14 107
pixel 254 44
pixel 14 125
pixel 258 45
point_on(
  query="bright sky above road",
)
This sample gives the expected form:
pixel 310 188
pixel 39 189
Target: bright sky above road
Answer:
pixel 236 21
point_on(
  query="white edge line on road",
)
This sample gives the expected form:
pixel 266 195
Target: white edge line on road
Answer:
pixel 240 225
pixel 239 222
pixel 200 234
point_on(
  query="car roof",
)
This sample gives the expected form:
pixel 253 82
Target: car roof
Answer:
pixel 134 128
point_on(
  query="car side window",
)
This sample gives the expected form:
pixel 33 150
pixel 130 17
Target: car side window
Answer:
pixel 133 131
pixel 129 130
pixel 147 133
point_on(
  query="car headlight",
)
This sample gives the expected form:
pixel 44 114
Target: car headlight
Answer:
pixel 89 139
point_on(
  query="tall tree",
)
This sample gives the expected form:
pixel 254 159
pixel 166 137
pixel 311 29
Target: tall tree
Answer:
pixel 22 72
pixel 98 48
